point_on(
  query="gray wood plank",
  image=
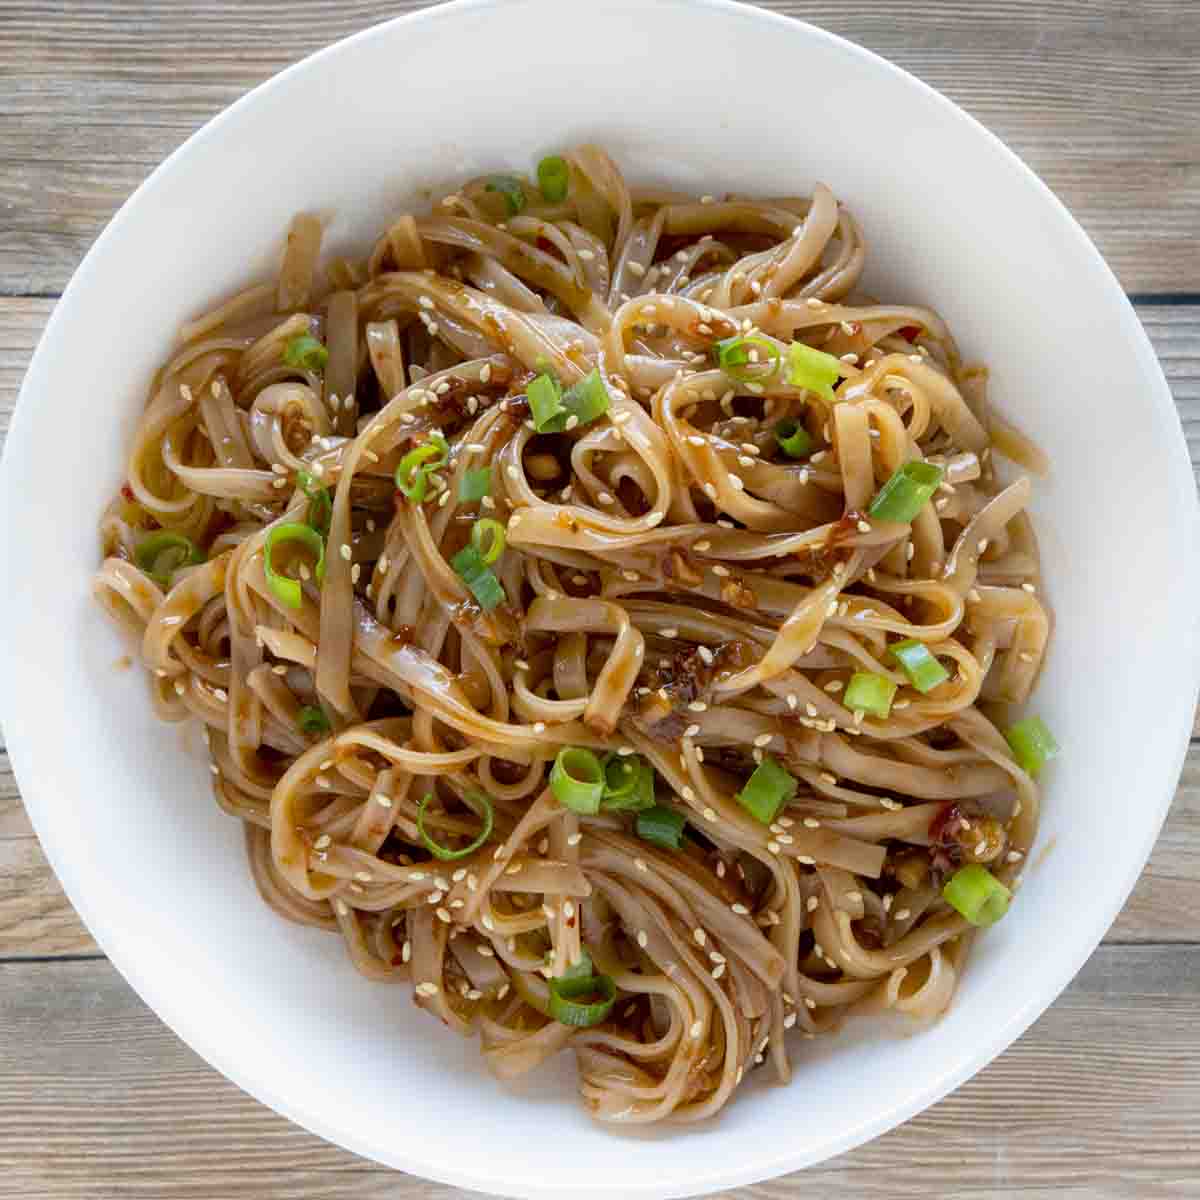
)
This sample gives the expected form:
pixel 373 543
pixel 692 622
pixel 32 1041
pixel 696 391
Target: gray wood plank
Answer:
pixel 1103 100
pixel 97 1098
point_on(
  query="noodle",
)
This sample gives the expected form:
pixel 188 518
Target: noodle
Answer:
pixel 674 588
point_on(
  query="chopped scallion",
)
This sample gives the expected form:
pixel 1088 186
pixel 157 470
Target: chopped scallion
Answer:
pixel 582 1000
pixel 977 894
pixel 907 492
pixel 918 662
pixel 813 369
pixel 662 827
pixel 306 353
pixel 793 439
pixel 487 536
pixel 285 587
pixel 477 801
pixel 587 399
pixel 312 720
pixel 553 178
pixel 1032 744
pixel 480 579
pixel 734 357
pixel 577 780
pixel 767 791
pixel 475 484
pixel 161 554
pixel 412 475
pixel 510 187
pixel 544 394
pixel 628 783
pixel 870 693
pixel 320 506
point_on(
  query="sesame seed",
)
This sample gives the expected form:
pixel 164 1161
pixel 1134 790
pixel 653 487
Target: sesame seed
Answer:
pixel 806 859
pixel 740 909
pixel 539 727
pixel 688 794
pixel 719 570
pixel 812 903
pixel 698 706
pixel 427 989
pixel 1028 587
pixel 636 269
pixel 669 632
pixel 763 739
pixel 813 302
pixel 903 914
pixel 700 936
pixel 345 551
pixel 710 814
pixel 773 847
pixel 864 527
pixel 321 842
pixel 735 482
pixel 643 939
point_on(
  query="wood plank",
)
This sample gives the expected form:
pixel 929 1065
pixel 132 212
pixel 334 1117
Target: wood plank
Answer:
pixel 95 1089
pixel 21 324
pixel 1103 100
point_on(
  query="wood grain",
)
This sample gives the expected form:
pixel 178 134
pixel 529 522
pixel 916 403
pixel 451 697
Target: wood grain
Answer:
pixel 1099 98
pixel 1098 1099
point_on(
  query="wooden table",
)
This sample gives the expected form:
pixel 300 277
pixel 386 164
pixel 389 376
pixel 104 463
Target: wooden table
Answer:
pixel 1100 1098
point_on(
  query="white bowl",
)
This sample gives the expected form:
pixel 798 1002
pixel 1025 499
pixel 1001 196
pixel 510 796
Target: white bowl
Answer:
pixel 711 96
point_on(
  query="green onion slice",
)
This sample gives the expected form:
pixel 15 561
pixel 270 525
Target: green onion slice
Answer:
pixel 588 399
pixel 285 587
pixel 475 484
pixel 733 357
pixel 577 780
pixel 581 968
pixel 767 791
pixel 544 394
pixel 312 720
pixel 509 186
pixel 412 475
pixel 871 693
pixel 306 353
pixel 161 554
pixel 907 492
pixel 628 783
pixel 477 801
pixel 487 536
pixel 582 1000
pixel 976 893
pixel 554 410
pixel 662 827
pixel 320 505
pixel 480 579
pixel 1032 744
pixel 554 176
pixel 793 438
pixel 922 667
pixel 813 369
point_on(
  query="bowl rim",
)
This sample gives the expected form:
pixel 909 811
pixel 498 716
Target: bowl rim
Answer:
pixel 698 1177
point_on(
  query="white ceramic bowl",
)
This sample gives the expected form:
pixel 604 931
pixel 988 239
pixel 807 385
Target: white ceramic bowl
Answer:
pixel 740 99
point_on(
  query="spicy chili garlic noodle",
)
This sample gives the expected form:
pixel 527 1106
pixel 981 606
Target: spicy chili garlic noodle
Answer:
pixel 603 616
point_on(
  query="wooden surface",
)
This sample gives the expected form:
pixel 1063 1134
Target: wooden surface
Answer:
pixel 1101 1098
